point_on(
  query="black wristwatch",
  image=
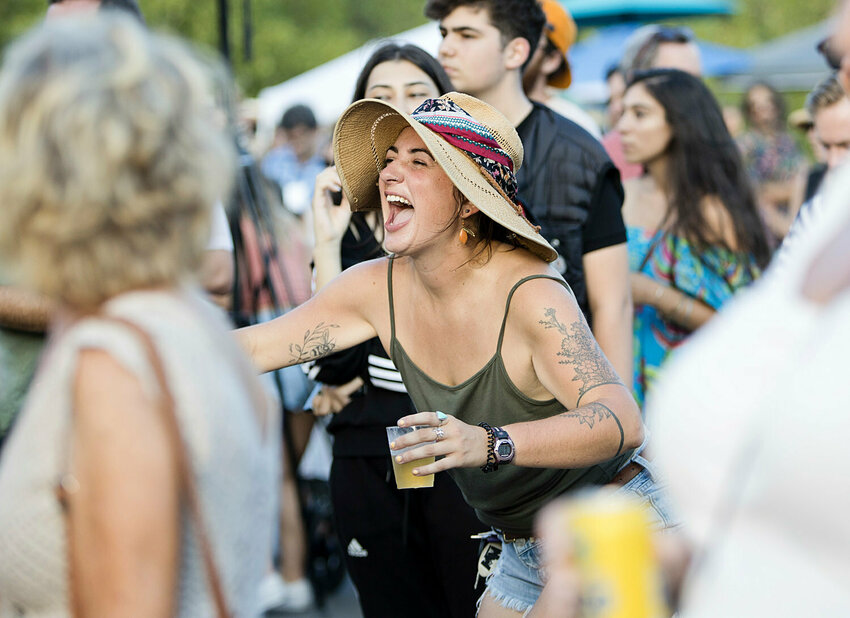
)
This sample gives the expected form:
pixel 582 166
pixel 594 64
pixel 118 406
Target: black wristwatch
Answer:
pixel 500 448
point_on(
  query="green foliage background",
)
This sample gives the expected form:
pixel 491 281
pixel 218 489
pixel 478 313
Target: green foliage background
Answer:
pixel 292 36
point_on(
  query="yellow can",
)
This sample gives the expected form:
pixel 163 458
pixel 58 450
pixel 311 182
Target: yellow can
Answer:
pixel 619 572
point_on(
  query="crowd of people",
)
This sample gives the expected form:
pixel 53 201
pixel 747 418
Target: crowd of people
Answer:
pixel 659 307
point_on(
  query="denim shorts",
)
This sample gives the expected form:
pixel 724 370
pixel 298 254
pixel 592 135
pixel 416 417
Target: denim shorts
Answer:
pixel 516 581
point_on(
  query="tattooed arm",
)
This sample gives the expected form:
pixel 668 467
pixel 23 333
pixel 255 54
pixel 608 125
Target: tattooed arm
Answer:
pixel 602 419
pixel 338 317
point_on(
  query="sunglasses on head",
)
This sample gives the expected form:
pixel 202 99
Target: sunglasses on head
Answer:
pixel 673 34
pixel 832 57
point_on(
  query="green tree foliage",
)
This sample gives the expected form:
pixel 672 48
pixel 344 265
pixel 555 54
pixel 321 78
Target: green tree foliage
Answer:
pixel 292 36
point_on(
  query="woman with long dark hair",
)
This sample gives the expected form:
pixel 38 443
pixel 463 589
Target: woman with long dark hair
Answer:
pixel 403 548
pixel 695 236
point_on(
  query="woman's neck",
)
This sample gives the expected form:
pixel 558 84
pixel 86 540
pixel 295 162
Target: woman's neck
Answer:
pixel 658 170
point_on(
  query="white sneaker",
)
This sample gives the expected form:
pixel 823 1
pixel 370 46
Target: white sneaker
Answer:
pixel 281 596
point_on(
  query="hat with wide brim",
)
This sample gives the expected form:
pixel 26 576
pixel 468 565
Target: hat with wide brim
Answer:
pixel 367 129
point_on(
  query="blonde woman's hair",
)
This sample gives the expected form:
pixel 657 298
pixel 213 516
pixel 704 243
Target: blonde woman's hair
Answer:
pixel 111 157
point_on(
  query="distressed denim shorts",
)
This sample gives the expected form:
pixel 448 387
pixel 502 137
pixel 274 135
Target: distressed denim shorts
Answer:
pixel 516 581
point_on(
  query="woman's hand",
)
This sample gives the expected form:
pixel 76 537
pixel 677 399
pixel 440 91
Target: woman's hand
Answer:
pixel 329 220
pixel 460 445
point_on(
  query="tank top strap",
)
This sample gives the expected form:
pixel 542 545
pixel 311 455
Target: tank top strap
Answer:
pixel 511 295
pixel 390 294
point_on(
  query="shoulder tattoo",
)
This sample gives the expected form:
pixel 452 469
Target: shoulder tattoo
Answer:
pixel 580 351
pixel 317 343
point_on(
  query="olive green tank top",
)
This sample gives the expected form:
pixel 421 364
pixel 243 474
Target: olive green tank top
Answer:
pixel 509 498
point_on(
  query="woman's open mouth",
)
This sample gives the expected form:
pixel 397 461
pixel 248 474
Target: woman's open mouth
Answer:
pixel 400 212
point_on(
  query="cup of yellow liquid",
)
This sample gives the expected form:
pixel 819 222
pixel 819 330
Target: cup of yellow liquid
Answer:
pixel 404 478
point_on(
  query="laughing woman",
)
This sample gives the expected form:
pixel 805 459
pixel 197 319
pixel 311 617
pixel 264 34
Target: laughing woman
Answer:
pixel 489 340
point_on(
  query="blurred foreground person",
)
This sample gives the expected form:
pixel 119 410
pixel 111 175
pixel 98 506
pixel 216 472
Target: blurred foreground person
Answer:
pixel 139 479
pixel 695 237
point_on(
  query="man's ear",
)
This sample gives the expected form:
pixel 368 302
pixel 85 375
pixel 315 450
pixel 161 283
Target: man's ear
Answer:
pixel 517 51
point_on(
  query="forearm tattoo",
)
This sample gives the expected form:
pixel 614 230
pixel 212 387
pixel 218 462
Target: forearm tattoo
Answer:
pixel 580 351
pixel 596 412
pixel 317 343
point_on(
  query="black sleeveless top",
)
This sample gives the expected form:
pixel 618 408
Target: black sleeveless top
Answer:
pixel 509 498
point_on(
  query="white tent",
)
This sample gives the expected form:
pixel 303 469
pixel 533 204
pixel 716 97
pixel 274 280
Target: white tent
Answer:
pixel 328 88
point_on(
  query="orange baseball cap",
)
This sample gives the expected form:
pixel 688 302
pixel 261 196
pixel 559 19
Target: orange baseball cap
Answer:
pixel 561 31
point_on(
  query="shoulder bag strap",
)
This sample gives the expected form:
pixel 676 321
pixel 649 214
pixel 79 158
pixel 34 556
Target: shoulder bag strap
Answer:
pixel 184 470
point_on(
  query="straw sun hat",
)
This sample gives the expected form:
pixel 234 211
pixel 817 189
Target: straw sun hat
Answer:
pixel 475 145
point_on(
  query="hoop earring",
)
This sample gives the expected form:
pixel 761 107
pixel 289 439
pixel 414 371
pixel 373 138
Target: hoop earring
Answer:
pixel 464 234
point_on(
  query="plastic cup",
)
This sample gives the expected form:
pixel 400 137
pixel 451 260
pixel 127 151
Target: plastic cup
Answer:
pixel 404 478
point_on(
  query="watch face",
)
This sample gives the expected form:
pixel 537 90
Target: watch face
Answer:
pixel 505 449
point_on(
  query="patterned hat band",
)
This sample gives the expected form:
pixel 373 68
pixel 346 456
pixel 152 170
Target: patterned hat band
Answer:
pixel 458 128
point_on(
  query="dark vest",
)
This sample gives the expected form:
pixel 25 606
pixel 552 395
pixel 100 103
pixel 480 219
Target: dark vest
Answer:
pixel 562 170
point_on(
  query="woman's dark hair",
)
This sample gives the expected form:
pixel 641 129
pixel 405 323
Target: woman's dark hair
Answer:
pixel 390 52
pixel 775 98
pixel 704 162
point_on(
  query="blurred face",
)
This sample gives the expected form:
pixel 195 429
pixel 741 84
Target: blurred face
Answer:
pixel 762 110
pixel 616 90
pixel 643 126
pixel 302 140
pixel 682 56
pixel 400 83
pixel 832 130
pixel 68 7
pixel 417 197
pixel 471 51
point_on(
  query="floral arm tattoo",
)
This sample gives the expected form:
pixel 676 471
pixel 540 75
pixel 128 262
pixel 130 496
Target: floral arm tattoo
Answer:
pixel 317 343
pixel 580 351
pixel 593 412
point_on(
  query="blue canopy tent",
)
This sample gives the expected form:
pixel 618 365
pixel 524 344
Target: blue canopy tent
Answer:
pixel 606 12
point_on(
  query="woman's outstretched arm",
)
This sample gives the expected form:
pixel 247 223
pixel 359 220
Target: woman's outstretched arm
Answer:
pixel 339 316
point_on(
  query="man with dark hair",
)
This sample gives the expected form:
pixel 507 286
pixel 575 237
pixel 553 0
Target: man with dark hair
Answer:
pixel 567 182
pixel 294 161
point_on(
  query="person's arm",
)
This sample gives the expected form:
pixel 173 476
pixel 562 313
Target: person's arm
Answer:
pixel 675 305
pixel 125 517
pixel 24 310
pixel 601 419
pixel 606 272
pixel 336 318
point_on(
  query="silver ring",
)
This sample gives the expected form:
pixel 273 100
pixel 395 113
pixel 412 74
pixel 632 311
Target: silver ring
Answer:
pixel 439 433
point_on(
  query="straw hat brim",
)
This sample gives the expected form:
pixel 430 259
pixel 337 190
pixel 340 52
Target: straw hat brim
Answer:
pixel 367 129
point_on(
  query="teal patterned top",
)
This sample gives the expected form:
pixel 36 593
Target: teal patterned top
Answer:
pixel 712 276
